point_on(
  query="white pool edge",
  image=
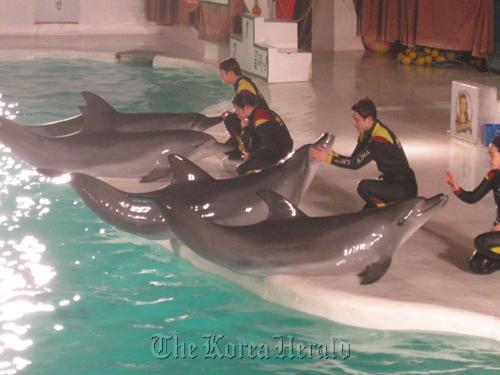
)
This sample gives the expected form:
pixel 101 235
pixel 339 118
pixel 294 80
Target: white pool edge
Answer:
pixel 158 60
pixel 299 294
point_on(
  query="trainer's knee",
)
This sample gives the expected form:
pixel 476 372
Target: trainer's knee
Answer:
pixel 480 243
pixel 364 188
pixel 233 124
pixel 482 265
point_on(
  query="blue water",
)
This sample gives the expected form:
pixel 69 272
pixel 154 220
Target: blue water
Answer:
pixel 77 296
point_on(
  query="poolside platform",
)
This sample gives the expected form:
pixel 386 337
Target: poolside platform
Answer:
pixel 428 286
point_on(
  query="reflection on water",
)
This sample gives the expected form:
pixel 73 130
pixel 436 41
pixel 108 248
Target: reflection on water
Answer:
pixel 8 110
pixel 24 276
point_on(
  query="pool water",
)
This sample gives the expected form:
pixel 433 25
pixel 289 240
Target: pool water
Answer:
pixel 78 296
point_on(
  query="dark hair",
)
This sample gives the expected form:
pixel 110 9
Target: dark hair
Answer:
pixel 244 98
pixel 365 107
pixel 496 142
pixel 230 65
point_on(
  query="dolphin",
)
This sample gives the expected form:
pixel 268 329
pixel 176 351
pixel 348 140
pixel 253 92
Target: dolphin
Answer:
pixel 289 242
pixel 102 151
pixel 226 201
pixel 126 122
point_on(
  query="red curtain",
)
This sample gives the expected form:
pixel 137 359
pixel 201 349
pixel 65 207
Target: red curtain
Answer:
pixel 465 25
pixel 284 9
pixel 167 12
pixel 217 21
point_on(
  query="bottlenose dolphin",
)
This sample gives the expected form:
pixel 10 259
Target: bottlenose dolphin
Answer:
pixel 126 122
pixel 102 151
pixel 226 201
pixel 289 242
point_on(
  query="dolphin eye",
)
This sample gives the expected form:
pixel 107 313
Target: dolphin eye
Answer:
pixel 403 219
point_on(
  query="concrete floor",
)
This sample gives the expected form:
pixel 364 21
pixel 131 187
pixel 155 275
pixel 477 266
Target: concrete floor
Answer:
pixel 428 286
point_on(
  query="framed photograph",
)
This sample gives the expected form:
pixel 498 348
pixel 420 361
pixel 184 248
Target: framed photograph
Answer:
pixel 472 106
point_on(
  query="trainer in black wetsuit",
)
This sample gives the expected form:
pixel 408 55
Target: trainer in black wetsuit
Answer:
pixel 230 73
pixel 264 139
pixel 486 258
pixel 376 142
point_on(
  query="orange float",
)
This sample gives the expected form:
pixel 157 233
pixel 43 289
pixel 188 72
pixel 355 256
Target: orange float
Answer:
pixel 190 5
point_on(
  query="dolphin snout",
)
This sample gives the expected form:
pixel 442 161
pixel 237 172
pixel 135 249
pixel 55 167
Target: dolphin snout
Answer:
pixel 438 200
pixel 212 120
pixel 203 122
pixel 325 140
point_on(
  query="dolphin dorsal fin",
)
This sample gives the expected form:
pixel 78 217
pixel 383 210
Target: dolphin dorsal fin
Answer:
pixel 94 121
pixel 279 207
pixel 98 104
pixel 185 171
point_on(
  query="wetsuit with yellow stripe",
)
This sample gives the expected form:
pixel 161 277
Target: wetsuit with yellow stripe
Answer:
pixel 232 122
pixel 243 83
pixel 397 182
pixel 266 139
pixel 487 257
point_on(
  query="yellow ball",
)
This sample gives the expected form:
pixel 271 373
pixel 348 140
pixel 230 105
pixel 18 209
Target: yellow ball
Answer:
pixel 412 55
pixel 376 45
pixel 435 53
pixel 428 59
pixel 427 50
pixel 406 60
pixel 420 60
pixel 440 59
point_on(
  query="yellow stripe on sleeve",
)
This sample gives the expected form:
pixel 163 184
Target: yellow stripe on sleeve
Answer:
pixel 381 132
pixel 496 250
pixel 260 121
pixel 244 85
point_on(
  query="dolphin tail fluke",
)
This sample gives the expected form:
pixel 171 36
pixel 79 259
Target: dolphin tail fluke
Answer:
pixel 50 172
pixel 375 271
pixel 157 174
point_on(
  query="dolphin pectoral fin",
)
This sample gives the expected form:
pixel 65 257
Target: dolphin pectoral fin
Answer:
pixel 49 172
pixel 375 271
pixel 185 171
pixel 157 174
pixel 98 104
pixel 279 207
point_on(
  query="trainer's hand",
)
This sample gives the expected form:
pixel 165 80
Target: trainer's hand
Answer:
pixel 451 181
pixel 224 114
pixel 319 153
pixel 246 155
